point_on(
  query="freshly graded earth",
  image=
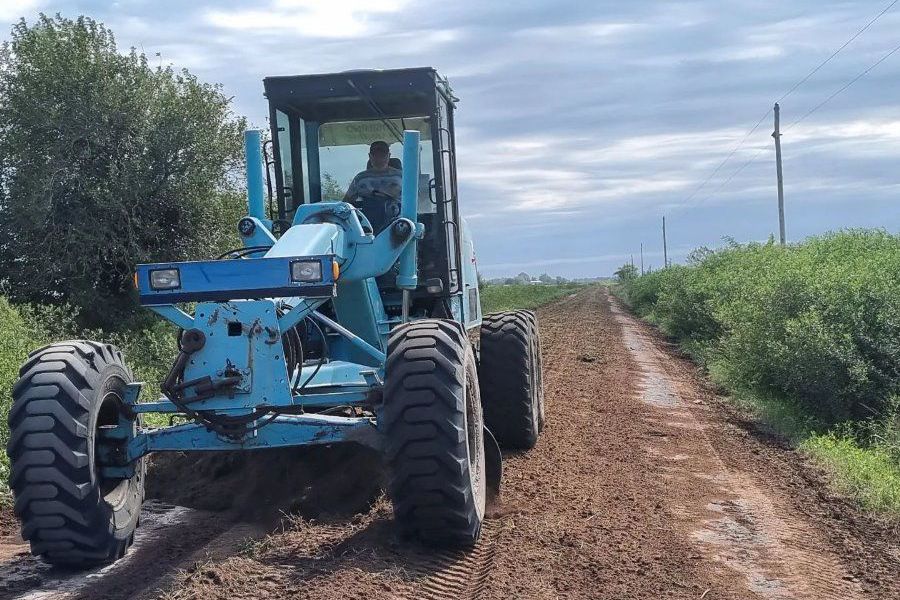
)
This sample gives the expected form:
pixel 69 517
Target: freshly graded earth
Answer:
pixel 644 484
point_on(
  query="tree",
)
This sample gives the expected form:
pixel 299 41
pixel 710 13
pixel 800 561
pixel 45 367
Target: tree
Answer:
pixel 626 272
pixel 106 162
pixel 331 189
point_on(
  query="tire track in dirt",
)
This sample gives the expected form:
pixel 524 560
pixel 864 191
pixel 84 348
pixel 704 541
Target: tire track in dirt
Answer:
pixel 735 520
pixel 461 574
pixel 168 535
pixel 742 510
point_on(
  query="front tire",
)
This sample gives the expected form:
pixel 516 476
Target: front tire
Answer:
pixel 433 428
pixel 70 514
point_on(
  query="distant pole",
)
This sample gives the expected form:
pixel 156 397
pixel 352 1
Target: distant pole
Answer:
pixel 642 258
pixel 665 247
pixel 777 135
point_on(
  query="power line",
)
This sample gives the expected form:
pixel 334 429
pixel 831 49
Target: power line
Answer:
pixel 785 95
pixel 838 51
pixel 730 154
pixel 846 85
pixel 733 175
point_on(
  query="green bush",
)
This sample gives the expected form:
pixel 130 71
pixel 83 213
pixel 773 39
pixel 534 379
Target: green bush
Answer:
pixel 807 337
pixel 106 162
pixel 816 322
pixel 19 338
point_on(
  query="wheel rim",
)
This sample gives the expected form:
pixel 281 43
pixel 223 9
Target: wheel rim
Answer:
pixel 538 377
pixel 475 447
pixel 534 381
pixel 113 490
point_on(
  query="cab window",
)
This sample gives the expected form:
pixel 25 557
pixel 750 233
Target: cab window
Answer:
pixel 344 152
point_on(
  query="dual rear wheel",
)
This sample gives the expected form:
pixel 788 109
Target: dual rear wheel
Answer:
pixel 438 404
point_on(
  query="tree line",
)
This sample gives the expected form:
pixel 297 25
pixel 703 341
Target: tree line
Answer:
pixel 105 162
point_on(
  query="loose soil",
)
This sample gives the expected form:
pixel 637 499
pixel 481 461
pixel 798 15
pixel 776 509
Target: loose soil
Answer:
pixel 644 484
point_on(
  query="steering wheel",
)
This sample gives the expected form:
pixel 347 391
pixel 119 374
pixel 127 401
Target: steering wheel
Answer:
pixel 380 208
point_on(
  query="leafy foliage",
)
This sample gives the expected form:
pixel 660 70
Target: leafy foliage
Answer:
pixel 106 162
pixel 817 322
pixel 626 272
pixel 331 189
pixel 18 339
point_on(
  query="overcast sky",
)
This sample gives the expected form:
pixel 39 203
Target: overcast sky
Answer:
pixel 582 123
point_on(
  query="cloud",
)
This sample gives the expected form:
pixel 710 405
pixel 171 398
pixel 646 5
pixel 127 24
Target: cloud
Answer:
pixel 582 123
pixel 13 10
pixel 310 18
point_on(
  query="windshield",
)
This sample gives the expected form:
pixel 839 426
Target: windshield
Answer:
pixel 344 152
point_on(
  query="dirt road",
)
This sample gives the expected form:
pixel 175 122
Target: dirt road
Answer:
pixel 644 485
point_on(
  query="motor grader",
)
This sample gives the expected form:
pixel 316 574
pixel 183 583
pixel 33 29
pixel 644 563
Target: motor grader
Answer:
pixel 339 320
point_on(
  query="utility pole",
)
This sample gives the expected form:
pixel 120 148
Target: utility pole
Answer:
pixel 642 258
pixel 777 135
pixel 665 247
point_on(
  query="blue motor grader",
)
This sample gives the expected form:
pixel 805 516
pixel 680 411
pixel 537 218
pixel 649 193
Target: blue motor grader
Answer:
pixel 338 321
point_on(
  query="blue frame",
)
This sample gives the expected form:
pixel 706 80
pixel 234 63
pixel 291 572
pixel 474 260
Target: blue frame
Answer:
pixel 243 309
pixel 225 280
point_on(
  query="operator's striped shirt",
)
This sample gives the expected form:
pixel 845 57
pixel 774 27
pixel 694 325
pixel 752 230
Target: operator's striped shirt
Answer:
pixel 386 181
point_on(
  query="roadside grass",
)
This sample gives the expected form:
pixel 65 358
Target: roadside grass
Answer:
pixel 148 348
pixel 18 339
pixel 870 474
pixel 496 298
pixel 806 338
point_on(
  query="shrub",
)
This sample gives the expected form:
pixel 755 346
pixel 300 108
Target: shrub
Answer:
pixel 18 339
pixel 105 162
pixel 816 322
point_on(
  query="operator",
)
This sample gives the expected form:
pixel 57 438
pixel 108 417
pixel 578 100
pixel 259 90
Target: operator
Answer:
pixel 379 179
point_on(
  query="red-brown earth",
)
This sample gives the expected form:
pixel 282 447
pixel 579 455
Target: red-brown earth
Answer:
pixel 644 484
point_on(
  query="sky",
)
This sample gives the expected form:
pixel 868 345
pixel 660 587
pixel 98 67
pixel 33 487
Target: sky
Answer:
pixel 582 123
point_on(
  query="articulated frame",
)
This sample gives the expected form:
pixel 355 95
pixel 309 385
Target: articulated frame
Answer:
pixel 232 362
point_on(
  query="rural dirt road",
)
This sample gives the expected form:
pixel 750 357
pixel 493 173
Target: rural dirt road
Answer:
pixel 645 484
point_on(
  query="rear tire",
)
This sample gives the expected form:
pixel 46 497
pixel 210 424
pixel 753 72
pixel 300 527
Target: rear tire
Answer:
pixel 510 374
pixel 70 514
pixel 433 429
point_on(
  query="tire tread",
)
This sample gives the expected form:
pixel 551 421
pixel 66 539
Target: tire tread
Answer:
pixel 425 433
pixel 62 513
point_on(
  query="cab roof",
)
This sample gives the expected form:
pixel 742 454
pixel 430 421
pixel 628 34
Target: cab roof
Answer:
pixel 352 95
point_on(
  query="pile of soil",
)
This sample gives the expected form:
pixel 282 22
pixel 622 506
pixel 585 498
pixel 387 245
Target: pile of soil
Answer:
pixel 265 485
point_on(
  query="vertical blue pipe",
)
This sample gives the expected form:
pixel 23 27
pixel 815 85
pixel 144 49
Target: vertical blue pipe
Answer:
pixel 255 190
pixel 407 279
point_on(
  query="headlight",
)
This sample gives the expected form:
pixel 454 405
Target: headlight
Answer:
pixel 306 271
pixel 165 279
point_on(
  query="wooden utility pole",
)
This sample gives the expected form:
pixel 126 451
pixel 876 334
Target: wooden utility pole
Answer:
pixel 777 135
pixel 642 258
pixel 665 247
